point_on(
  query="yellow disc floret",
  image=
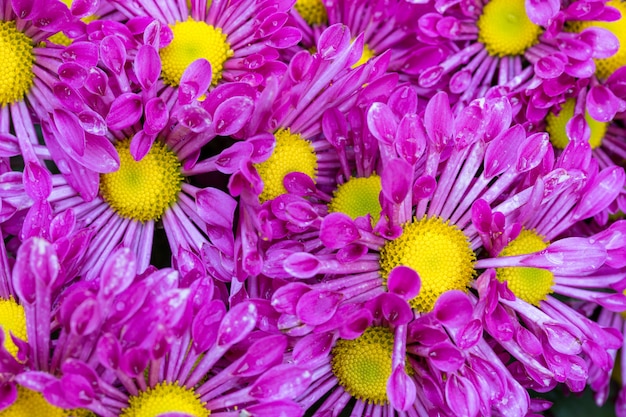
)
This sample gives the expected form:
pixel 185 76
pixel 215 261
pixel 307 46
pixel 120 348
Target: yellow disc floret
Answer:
pixel 363 365
pixel 166 397
pixel 31 403
pixel 530 284
pixel 312 11
pixel 607 66
pixel 555 126
pixel 142 190
pixel 292 153
pixel 13 320
pixel 194 40
pixel 358 197
pixel 505 29
pixel 439 252
pixel 17 57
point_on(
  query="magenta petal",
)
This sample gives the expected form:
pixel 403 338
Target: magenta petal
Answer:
pixel 531 151
pixel 113 53
pixel 125 110
pixel 602 104
pixel 8 395
pixel 147 66
pixel 561 339
pixel 86 318
pixel 36 260
pixel 401 389
pixel 404 281
pixel 446 357
pixel 333 40
pixel 382 122
pixel 134 361
pixel 312 347
pixel 438 120
pixel 396 180
pixel 612 302
pixel 285 298
pixel 118 272
pixel 83 53
pixel 569 256
pixel 71 133
pixel 237 323
pixel 108 351
pixel 317 306
pixel 285 38
pixel 281 382
pixel 261 355
pixel 231 115
pixel 37 181
pixel 100 155
pixel 82 8
pixel 604 43
pixel 461 397
pixel 302 265
pixel 453 309
pixel 540 12
pixel 205 325
pixel 338 230
pixel 470 334
pixel 157 116
pixel 549 66
pixel 410 139
pixel 501 153
pixel 141 144
pixel 216 207
pixel 598 195
pixel 282 408
pixel 395 309
pixel 194 81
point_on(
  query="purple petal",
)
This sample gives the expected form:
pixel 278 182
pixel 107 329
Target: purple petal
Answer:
pixel 540 12
pixel 549 66
pixel 157 116
pixel 317 306
pixel 334 40
pixel 231 115
pixel 401 389
pixel 284 38
pixel 603 191
pixel 237 323
pixel 140 144
pixel 282 408
pixel 194 81
pixel 216 207
pixel 147 66
pixel 108 351
pixel 71 133
pixel 281 382
pixel 312 347
pixel 118 272
pixel 125 111
pixel 338 230
pixel 285 298
pixel 83 53
pixel 134 361
pixel 382 123
pixel 36 260
pixel 205 325
pixel 261 355
pixel 113 53
pixel 438 120
pixel 37 181
pixel 561 339
pixel 302 265
pixel 410 139
pixel 603 42
pixel 404 281
pixel 461 397
pixel 531 151
pixel 569 256
pixel 453 309
pixel 502 151
pixel 396 180
pixel 602 104
pixel 446 357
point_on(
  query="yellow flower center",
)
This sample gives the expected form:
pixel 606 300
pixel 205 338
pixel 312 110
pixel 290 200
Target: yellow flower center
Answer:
pixel 292 153
pixel 31 403
pixel 439 252
pixel 530 284
pixel 505 29
pixel 142 190
pixel 358 197
pixel 312 11
pixel 606 66
pixel 16 71
pixel 365 56
pixel 166 397
pixel 555 126
pixel 363 365
pixel 12 319
pixel 194 40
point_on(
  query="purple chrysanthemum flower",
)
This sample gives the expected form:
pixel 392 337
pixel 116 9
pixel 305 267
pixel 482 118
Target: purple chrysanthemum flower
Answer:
pixel 520 45
pixel 292 107
pixel 385 26
pixel 171 349
pixel 240 39
pixel 28 299
pixel 145 141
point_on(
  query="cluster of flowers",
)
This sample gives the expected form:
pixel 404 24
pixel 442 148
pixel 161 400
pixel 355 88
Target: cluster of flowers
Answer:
pixel 313 207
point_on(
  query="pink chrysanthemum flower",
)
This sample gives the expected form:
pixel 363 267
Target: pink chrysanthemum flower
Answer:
pixel 520 45
pixel 240 39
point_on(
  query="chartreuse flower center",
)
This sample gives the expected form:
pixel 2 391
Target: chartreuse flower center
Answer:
pixel 505 29
pixel 194 40
pixel 17 57
pixel 555 126
pixel 438 251
pixel 363 365
pixel 312 11
pixel 292 153
pixel 12 320
pixel 358 197
pixel 607 66
pixel 31 403
pixel 166 397
pixel 530 284
pixel 142 190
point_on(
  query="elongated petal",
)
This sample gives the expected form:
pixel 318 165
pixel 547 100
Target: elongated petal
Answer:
pixel 401 389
